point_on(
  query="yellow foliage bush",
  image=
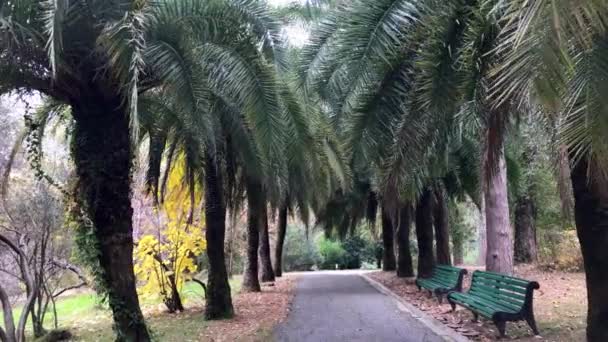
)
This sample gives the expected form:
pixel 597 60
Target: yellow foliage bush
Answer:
pixel 172 251
pixel 562 251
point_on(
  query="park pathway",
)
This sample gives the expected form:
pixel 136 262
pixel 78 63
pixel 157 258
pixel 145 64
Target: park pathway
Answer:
pixel 343 307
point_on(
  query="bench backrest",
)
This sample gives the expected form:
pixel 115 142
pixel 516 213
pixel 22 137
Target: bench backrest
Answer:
pixel 515 293
pixel 449 274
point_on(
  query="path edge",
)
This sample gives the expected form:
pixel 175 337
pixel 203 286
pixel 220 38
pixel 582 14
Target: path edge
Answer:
pixel 431 323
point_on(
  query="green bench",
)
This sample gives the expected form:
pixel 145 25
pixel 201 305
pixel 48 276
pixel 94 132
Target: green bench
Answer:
pixel 498 297
pixel 444 280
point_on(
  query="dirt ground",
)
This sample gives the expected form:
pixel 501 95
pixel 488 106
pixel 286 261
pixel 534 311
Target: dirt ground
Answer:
pixel 257 314
pixel 560 307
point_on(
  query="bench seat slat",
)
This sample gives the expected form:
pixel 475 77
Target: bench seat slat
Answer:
pixel 505 279
pixel 479 301
pixel 499 292
pixel 491 283
pixel 500 301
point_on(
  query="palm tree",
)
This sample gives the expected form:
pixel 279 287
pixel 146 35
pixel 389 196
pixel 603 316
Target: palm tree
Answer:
pixel 99 57
pixel 555 55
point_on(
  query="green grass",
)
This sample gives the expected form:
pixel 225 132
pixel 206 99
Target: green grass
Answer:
pixel 90 320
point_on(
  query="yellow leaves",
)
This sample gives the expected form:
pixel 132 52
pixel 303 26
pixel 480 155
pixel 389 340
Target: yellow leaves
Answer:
pixel 178 202
pixel 171 253
pixel 175 255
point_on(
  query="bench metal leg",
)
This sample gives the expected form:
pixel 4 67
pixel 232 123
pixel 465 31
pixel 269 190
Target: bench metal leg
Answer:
pixel 475 317
pixel 532 323
pixel 501 326
pixel 452 304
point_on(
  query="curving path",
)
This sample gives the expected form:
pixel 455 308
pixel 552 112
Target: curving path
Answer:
pixel 342 306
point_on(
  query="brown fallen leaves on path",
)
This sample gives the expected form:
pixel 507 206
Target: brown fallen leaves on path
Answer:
pixel 256 313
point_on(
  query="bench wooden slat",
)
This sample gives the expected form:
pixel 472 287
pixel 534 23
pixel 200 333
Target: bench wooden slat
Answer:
pixel 504 278
pixel 499 292
pixel 500 301
pixel 491 283
pixel 484 304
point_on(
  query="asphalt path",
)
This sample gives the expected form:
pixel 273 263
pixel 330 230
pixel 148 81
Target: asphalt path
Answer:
pixel 342 306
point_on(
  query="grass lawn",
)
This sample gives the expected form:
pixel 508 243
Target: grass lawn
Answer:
pixel 90 320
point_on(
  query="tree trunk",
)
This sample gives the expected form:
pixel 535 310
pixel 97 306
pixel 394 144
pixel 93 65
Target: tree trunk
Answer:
pixel 591 215
pixel 102 154
pixel 525 231
pixel 173 301
pixel 255 204
pixel 267 273
pixel 219 299
pixel 388 246
pixel 424 234
pixel 499 257
pixel 282 230
pixel 10 334
pixel 482 242
pixel 442 227
pixel 458 253
pixel 404 260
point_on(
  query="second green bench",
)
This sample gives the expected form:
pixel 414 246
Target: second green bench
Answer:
pixel 444 280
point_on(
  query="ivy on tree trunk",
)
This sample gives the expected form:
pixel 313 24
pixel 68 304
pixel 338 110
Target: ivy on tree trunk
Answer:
pixel 102 154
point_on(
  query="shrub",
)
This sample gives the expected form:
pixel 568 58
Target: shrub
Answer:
pixel 560 250
pixel 331 252
pixel 299 252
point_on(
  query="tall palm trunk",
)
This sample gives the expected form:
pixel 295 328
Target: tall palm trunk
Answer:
pixel 591 215
pixel 424 234
pixel 404 255
pixel 102 154
pixel 281 231
pixel 525 249
pixel 482 241
pixel 219 300
pixel 388 243
pixel 442 227
pixel 255 204
pixel 499 257
pixel 267 273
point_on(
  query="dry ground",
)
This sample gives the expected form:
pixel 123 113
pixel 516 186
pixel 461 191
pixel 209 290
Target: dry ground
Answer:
pixel 560 307
pixel 257 314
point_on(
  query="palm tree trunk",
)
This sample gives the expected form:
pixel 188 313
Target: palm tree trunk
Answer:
pixel 525 231
pixel 442 229
pixel 255 203
pixel 404 259
pixel 278 251
pixel 424 234
pixel 482 242
pixel 219 300
pixel 591 216
pixel 267 273
pixel 102 154
pixel 499 257
pixel 388 243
